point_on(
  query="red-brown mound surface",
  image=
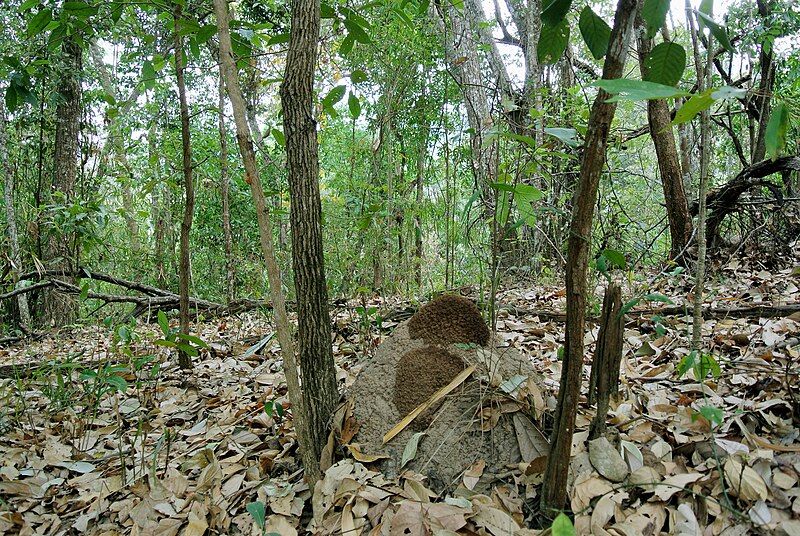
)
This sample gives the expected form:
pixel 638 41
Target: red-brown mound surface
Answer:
pixel 449 319
pixel 420 373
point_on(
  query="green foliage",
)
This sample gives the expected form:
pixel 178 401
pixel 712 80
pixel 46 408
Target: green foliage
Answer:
pixel 553 41
pixel 666 63
pixel 595 31
pixel 777 127
pixel 701 364
pixel 555 11
pixel 654 13
pixel 625 89
pixel 562 526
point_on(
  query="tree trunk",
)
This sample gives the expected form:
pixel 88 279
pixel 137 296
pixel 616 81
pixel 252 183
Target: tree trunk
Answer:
pixel 762 96
pixel 225 186
pixel 554 492
pixel 11 222
pixel 61 309
pixel 658 117
pixel 314 326
pixel 253 178
pixel 184 270
pixel 160 208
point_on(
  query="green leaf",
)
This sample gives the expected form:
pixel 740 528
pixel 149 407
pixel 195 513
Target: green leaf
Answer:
pixel 358 76
pixel 279 138
pixel 693 106
pixel 562 526
pixel 187 349
pixel 84 292
pixel 27 5
pixel 347 45
pixel 354 105
pixel 686 364
pixel 258 511
pixel 666 63
pixel 614 257
pixel 719 33
pixel 205 33
pixel 148 74
pixel 163 323
pixel 358 32
pixel 80 10
pixel 595 31
pixel 634 90
pixel 775 137
pixel 654 13
pixel 326 11
pixel 568 136
pixel 193 339
pixel 555 11
pixel 458 4
pixel 278 39
pixel 39 22
pixel 410 450
pixel 553 41
pixel 714 415
pixel 117 382
pixel 334 95
pixel 11 98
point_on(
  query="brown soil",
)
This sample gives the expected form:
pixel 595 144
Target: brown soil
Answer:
pixel 420 373
pixel 449 319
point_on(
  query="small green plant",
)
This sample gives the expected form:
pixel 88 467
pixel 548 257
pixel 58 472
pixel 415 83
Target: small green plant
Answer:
pixel 562 526
pixel 274 408
pixel 702 365
pixel 172 339
pixel 258 510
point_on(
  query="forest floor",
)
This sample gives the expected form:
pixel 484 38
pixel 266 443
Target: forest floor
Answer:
pixel 101 433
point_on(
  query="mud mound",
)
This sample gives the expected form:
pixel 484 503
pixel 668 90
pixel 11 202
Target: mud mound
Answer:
pixel 420 373
pixel 447 320
pixel 468 424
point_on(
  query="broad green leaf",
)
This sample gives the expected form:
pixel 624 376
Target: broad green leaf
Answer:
pixel 80 10
pixel 163 323
pixel 714 415
pixel 404 18
pixel 354 105
pixel 358 76
pixel 595 31
pixel 654 13
pixel 347 45
pixel 553 41
pixel 555 11
pixel 333 96
pixel 358 32
pixel 775 137
pixel 278 39
pixel 258 511
pixel 665 63
pixel 206 32
pixel 279 138
pixel 614 257
pixel 719 33
pixel 28 4
pixel 148 74
pixel 633 90
pixel 410 450
pixel 458 4
pixel 562 526
pixel 326 11
pixel 11 98
pixel 693 106
pixel 568 136
pixel 193 339
pixel 39 22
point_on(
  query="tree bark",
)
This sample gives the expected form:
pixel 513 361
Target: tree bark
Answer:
pixel 554 491
pixel 658 117
pixel 184 360
pixel 763 95
pixel 61 309
pixel 314 328
pixel 253 178
pixel 225 186
pixel 11 222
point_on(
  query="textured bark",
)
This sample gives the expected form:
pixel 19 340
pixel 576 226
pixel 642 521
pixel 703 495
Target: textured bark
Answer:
pixel 60 309
pixel 253 178
pixel 767 79
pixel 161 210
pixel 604 380
pixel 314 328
pixel 554 492
pixel 184 269
pixel 11 222
pixel 225 186
pixel 659 120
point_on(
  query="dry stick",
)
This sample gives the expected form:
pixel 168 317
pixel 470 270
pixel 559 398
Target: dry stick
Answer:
pixel 253 178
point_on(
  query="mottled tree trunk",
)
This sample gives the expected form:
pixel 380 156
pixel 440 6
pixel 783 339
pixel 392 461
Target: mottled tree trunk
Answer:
pixel 184 269
pixel 11 222
pixel 61 309
pixel 554 492
pixel 659 120
pixel 225 186
pixel 314 327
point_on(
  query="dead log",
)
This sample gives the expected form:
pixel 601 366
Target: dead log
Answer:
pixel 604 378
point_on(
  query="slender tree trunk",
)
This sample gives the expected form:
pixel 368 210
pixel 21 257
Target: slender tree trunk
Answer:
pixel 314 326
pixel 161 210
pixel 419 187
pixel 11 221
pixel 658 117
pixel 554 492
pixel 61 309
pixel 282 324
pixel 184 270
pixel 225 185
pixel 114 142
pixel 763 96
